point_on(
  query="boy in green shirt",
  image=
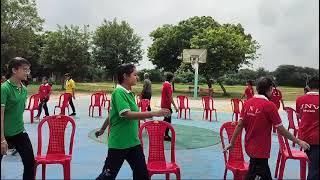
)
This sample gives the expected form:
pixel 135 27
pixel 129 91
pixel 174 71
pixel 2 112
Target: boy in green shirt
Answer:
pixel 13 98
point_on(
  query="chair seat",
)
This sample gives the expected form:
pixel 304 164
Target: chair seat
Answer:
pixel 210 109
pixel 53 158
pixel 238 165
pixel 162 167
pixel 296 154
pixel 184 108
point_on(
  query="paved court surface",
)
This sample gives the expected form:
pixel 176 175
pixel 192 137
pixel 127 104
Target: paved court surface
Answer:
pixel 89 155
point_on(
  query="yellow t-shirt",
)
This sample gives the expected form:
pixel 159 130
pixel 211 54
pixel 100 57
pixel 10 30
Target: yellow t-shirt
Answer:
pixel 70 84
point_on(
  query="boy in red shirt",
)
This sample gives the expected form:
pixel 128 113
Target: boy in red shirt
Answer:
pixel 167 100
pixel 44 92
pixel 307 108
pixel 258 115
pixel 276 97
pixel 248 92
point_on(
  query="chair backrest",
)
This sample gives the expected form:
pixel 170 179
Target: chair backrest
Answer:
pixel 34 101
pixel 156 131
pixel 144 103
pixel 290 114
pixel 96 99
pixel 236 154
pixel 138 99
pixel 64 100
pixel 207 102
pixel 284 144
pixel 183 102
pixel 57 128
pixel 235 104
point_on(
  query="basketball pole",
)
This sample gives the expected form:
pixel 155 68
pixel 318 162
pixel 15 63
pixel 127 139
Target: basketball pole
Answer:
pixel 196 68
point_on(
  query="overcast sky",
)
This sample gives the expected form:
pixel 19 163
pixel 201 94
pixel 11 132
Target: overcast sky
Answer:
pixel 288 30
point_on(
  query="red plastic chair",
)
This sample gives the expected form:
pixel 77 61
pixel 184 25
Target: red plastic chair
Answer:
pixel 290 114
pixel 105 99
pixel 63 103
pixel 144 103
pixel 208 107
pixel 183 104
pixel 33 105
pixel 286 153
pixel 157 163
pixel 233 159
pixel 56 148
pixel 96 101
pixel 235 104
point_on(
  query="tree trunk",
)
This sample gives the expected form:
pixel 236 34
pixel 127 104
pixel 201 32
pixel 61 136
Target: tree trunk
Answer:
pixel 222 87
pixel 209 87
pixel 173 86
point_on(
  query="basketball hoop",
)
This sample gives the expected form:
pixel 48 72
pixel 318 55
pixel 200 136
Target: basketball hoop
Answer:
pixel 194 57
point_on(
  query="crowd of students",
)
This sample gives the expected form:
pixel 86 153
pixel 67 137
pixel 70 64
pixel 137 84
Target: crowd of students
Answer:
pixel 259 114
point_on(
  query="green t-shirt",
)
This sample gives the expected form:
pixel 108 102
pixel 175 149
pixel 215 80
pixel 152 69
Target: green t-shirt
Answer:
pixel 14 102
pixel 123 132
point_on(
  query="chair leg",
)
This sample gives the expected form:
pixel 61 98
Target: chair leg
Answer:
pixel 100 111
pixel 178 175
pixel 210 115
pixel 32 115
pixel 66 171
pixel 303 167
pixel 167 176
pixel 185 113
pixel 225 174
pixel 89 110
pixel 43 171
pixel 282 166
pixel 277 165
pixel 189 114
pixel 92 111
pixel 295 135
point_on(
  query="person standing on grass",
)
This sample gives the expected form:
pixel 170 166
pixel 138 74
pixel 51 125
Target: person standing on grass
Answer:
pixel 70 88
pixel 146 91
pixel 248 92
pixel 13 98
pixel 167 100
pixel 307 109
pixel 44 93
pixel 123 140
pixel 257 117
pixel 276 97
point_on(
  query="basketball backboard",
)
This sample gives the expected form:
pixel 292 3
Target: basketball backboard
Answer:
pixel 190 55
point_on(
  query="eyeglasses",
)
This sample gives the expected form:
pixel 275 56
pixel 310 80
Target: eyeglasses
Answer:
pixel 27 70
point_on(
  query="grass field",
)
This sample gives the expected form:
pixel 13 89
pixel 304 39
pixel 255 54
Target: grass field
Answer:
pixel 289 93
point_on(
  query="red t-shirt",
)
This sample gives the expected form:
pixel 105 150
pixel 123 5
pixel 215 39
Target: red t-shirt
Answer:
pixel 44 90
pixel 258 115
pixel 276 96
pixel 308 107
pixel 249 92
pixel 166 95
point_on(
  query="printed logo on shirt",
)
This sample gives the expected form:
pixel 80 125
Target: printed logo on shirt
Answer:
pixel 253 111
pixel 309 107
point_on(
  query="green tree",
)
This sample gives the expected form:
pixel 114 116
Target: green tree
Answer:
pixel 19 24
pixel 228 49
pixel 116 43
pixel 67 50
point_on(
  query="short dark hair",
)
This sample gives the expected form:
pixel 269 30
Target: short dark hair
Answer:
pixel 124 69
pixel 250 82
pixel 263 85
pixel 67 74
pixel 169 76
pixel 313 82
pixel 16 63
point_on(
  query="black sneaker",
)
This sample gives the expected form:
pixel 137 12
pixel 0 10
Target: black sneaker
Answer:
pixel 167 138
pixel 72 114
